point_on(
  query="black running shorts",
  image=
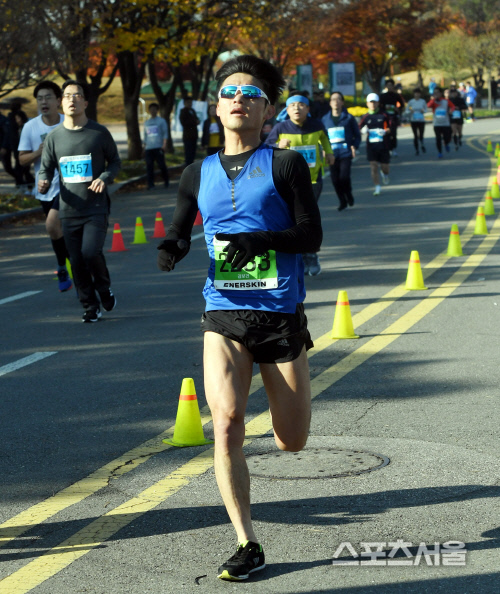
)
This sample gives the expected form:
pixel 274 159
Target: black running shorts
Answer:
pixel 376 151
pixel 50 204
pixel 271 337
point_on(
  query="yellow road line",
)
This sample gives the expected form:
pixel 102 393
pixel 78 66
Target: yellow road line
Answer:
pixel 101 529
pixel 130 460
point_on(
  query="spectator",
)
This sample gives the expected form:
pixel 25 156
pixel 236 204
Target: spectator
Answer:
pixel 5 146
pixel 155 145
pixel 189 122
pixel 212 138
pixel 494 91
pixel 17 118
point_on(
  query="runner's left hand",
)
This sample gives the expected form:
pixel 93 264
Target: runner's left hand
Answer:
pixel 97 186
pixel 243 247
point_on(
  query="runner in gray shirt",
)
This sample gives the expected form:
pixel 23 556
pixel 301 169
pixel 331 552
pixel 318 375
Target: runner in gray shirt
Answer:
pixel 86 156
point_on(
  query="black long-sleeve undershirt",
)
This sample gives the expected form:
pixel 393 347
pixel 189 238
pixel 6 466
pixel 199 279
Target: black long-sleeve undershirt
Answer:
pixel 292 181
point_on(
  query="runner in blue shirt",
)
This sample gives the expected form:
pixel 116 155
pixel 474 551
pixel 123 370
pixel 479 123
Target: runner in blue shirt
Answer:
pixel 259 214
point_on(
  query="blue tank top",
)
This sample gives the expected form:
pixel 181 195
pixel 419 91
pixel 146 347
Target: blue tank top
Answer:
pixel 248 203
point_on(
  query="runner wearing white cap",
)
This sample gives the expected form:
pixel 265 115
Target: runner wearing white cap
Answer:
pixel 377 141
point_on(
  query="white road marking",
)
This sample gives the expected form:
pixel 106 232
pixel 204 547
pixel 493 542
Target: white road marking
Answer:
pixel 20 296
pixel 25 361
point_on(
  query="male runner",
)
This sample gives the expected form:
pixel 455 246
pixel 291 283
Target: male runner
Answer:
pixel 87 158
pixel 470 99
pixel 345 138
pixel 259 213
pixel 377 141
pixel 457 116
pixel 307 136
pixel 392 103
pixel 48 97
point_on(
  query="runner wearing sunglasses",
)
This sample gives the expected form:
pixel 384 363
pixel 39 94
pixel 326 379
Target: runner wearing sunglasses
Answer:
pixel 259 214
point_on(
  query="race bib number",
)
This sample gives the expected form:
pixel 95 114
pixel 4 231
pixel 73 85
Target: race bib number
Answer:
pixel 214 128
pixel 76 169
pixel 336 134
pixel 152 130
pixel 457 114
pixel 440 113
pixel 261 273
pixel 418 116
pixel 390 109
pixel 308 152
pixel 376 135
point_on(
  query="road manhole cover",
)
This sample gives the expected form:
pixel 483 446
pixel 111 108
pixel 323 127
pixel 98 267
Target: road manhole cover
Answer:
pixel 315 463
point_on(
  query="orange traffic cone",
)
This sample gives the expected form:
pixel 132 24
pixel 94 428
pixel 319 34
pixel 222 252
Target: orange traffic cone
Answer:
pixel 454 244
pixel 489 209
pixel 497 149
pixel 188 430
pixel 481 228
pixel 342 321
pixel 139 236
pixel 117 245
pixel 414 278
pixel 198 220
pixel 159 228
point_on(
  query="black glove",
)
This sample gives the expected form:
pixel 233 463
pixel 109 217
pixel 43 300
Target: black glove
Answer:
pixel 171 252
pixel 243 247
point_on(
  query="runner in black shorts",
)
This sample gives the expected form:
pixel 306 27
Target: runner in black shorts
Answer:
pixel 269 336
pixel 259 214
pixel 377 141
pixel 457 116
pixel 48 97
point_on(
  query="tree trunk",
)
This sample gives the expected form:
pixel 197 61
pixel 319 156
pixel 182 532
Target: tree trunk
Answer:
pixel 132 72
pixel 165 100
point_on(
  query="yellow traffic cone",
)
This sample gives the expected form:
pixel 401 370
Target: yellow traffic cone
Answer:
pixel 454 243
pixel 342 321
pixel 414 278
pixel 489 148
pixel 68 268
pixel 489 209
pixel 139 236
pixel 188 430
pixel 481 228
pixel 498 172
pixel 495 190
pixel 497 149
pixel 498 161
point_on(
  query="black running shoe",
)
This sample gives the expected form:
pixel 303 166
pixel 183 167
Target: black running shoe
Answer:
pixel 249 557
pixel 423 148
pixel 108 300
pixel 91 315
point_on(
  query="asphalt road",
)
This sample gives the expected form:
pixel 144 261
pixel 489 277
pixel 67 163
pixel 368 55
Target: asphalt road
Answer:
pixel 93 501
